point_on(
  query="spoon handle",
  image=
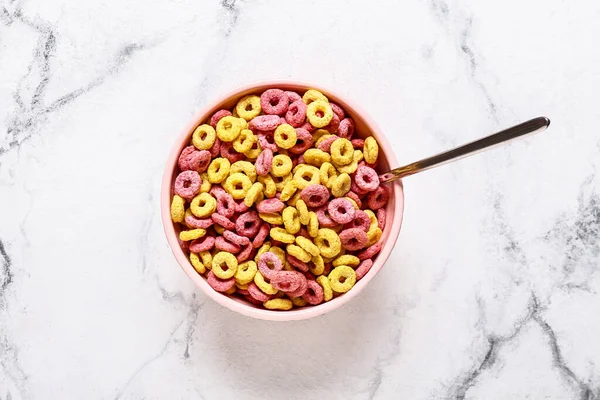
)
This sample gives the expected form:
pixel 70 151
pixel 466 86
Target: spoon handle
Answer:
pixel 532 126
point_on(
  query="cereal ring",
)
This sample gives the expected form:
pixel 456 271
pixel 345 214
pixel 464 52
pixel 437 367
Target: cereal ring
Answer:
pixel 269 183
pixel 346 259
pixel 342 152
pixel 218 170
pixel 227 151
pixel 341 185
pixel 215 150
pixel 228 128
pixel 319 113
pixel 302 266
pixel 354 204
pixel 203 205
pixel 222 221
pixel 225 204
pixel 177 208
pixel 337 110
pixel 298 301
pixel 318 135
pixel 298 252
pixel 342 278
pixel 354 187
pixel 285 136
pixel 301 289
pixel 302 212
pixel 287 281
pixel 278 304
pixel 260 237
pixel 324 137
pixel 197 263
pixel 324 218
pixel 308 246
pixel 222 244
pixel 220 285
pixel 373 236
pixel 378 198
pixel 315 195
pixel 193 222
pixel 316 157
pixel 237 185
pixel 366 178
pixel 243 123
pixel 358 143
pixel 381 218
pixel 296 114
pixel 217 116
pixel 314 293
pixel 369 252
pixel 292 96
pixel 183 161
pixel 353 239
pixel 346 128
pixel 333 125
pixel 245 272
pixel 263 285
pixel 313 224
pixel 247 253
pixel 224 265
pixel 307 175
pixel 187 184
pixel 341 210
pixel 271 218
pixel 327 174
pixel 264 162
pixel 266 140
pixel 281 235
pixel 270 206
pixel 326 141
pixel 254 152
pixel 291 220
pixel 303 141
pixel 347 169
pixel 329 242
pixel 206 258
pixel 281 181
pixel 354 197
pixel 363 268
pixel 248 107
pixel 274 101
pixel 204 243
pixel 327 292
pixel 281 166
pixel 248 224
pixel 361 220
pixel 313 95
pixel 257 294
pixel 244 141
pixel 318 265
pixel 255 192
pixel 235 238
pixel 371 150
pixel 204 137
pixel 205 186
pixel 265 122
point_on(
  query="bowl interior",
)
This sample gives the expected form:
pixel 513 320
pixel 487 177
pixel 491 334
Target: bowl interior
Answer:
pixel 364 128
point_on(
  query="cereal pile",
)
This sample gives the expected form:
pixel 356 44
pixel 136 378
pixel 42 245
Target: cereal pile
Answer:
pixel 278 203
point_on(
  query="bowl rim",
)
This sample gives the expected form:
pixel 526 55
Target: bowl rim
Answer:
pixel 230 303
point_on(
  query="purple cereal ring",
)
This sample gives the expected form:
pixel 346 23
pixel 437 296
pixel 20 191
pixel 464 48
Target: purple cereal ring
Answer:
pixel 356 189
pixel 264 162
pixel 257 294
pixel 346 128
pixel 381 218
pixel 358 143
pixel 337 110
pixel 378 198
pixel 369 252
pixel 235 238
pixel 286 281
pixel 323 217
pixel 274 101
pixel 333 125
pixel 341 210
pixel 266 140
pixel 228 152
pixel 223 221
pixel 222 244
pixel 353 239
pixel 225 205
pixel 220 285
pixel 205 243
pixel 294 262
pixel 215 150
pixel 273 205
pixel 248 224
pixel 361 220
pixel 366 178
pixel 245 254
pixel 363 268
pixel 296 114
pixel 292 96
pixel 315 195
pixel 301 289
pixel 308 127
pixel 241 207
pixel 314 293
pixel 198 223
pixel 187 184
pixel 354 197
pixel 216 117
pixel 264 122
pixel 303 141
pixel 262 234
pixel 325 145
pixel 268 264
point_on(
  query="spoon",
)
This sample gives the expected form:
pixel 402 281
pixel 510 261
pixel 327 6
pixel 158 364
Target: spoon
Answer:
pixel 535 125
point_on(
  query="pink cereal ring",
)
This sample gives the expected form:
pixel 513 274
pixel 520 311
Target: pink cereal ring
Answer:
pixel 308 127
pixel 354 197
pixel 215 150
pixel 299 265
pixel 333 125
pixel 286 281
pixel 248 224
pixel 304 233
pixel 268 264
pixel 358 143
pixel 184 161
pixel 356 189
pixel 217 191
pixel 204 157
pixel 315 195
pixel 205 243
pixel 378 198
pixel 274 101
pixel 245 254
pixel 228 152
pixel 242 292
pixel 185 246
pixel 266 140
pixel 363 268
pixel 257 294
pixel 187 184
pixel 310 276
pixel 361 220
pixel 337 110
pixel 235 238
pixel 198 223
pixel 225 205
pixel 296 114
pixel 273 205
pixel 325 145
pixel 366 178
pixel 216 117
pixel 241 207
pixel 222 244
pixel 303 141
pixel 264 162
pixel 264 122
pixel 381 218
pixel 341 210
pixel 220 285
pixel 252 299
pixel 324 219
pixel 261 236
pixel 327 268
pixel 314 293
pixel 223 221
pixel 353 239
pixel 369 252
pixel 293 96
pixel 301 289
pixel 346 128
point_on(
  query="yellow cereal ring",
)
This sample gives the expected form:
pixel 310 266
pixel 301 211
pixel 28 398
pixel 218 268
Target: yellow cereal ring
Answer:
pixel 342 151
pixel 372 220
pixel 228 128
pixel 177 208
pixel 318 266
pixel 322 138
pixel 206 258
pixel 313 224
pixel 319 113
pixel 318 134
pixel 327 292
pixel 281 165
pixel 308 246
pixel 346 259
pixel 288 267
pixel 248 107
pixel 358 155
pixel 298 301
pixel 245 273
pixel 269 184
pixel 271 218
pixel 302 212
pixel 224 265
pixel 313 95
pixel 253 153
pixel 338 228
pixel 203 205
pixel 278 252
pixel 262 249
pixel 206 185
pixel 316 157
pixel 204 137
pixel 294 199
pixel 192 234
pixel 307 175
pixel 353 166
pixel 373 236
pixel 263 285
pixel 341 185
pixel 219 229
pixel 256 190
pixel 281 235
pixel 298 252
pixel 197 263
pixel 288 190
pixel 237 185
pixel 218 170
pixel 278 304
pixel 240 286
pixel 285 136
pixel 342 278
pixel 371 150
pixel 280 181
pixel 231 290
pixel 245 167
pixel 244 141
pixel 328 242
pixel 327 174
pixel 291 220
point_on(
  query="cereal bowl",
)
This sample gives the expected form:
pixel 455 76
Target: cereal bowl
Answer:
pixel 394 207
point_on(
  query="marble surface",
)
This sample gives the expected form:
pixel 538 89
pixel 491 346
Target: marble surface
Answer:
pixel 490 293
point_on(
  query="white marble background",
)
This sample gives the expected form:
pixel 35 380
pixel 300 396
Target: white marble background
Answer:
pixel 491 292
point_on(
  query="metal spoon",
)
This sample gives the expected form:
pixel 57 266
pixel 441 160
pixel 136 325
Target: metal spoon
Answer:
pixel 532 126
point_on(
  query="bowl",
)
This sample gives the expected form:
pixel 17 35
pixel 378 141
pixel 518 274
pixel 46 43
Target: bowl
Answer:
pixel 364 126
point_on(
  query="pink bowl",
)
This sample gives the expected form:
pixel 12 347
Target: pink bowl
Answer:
pixel 395 207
